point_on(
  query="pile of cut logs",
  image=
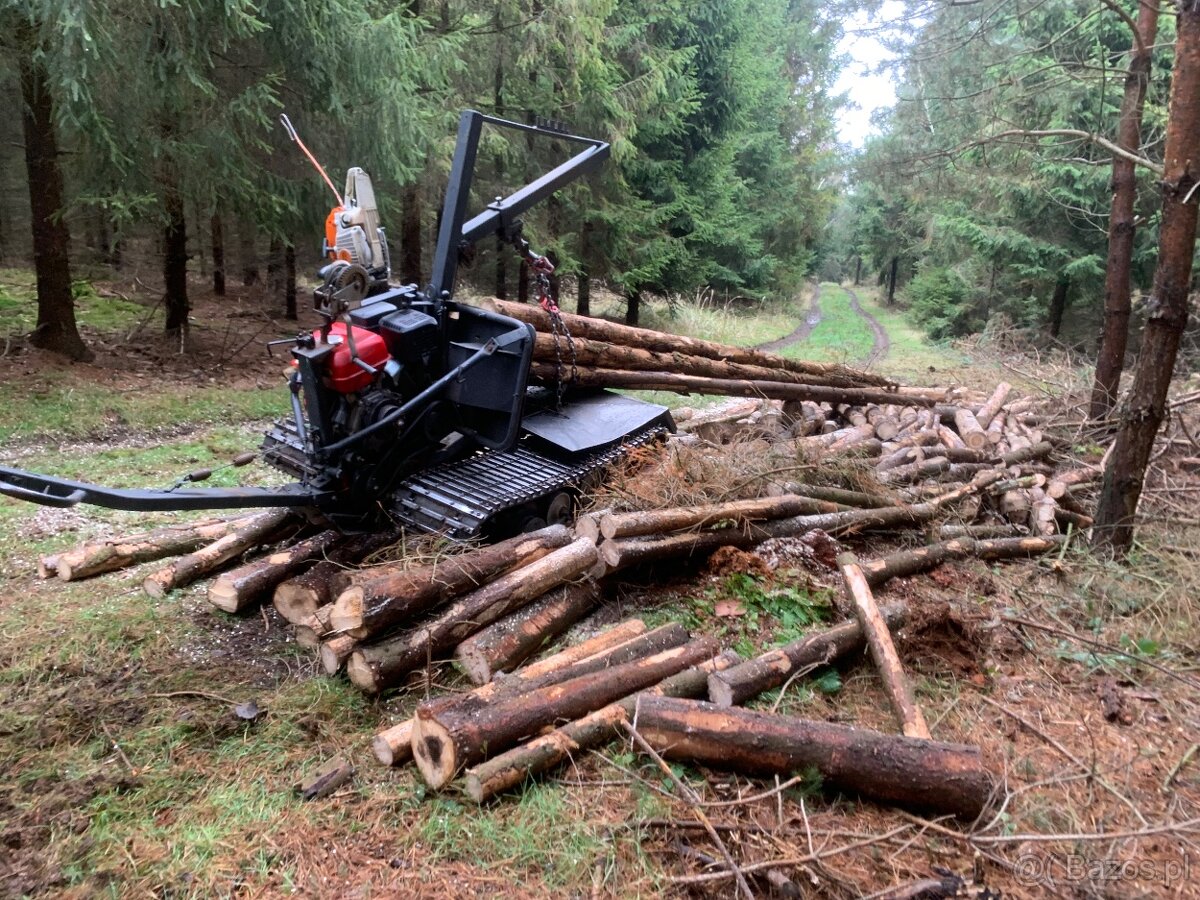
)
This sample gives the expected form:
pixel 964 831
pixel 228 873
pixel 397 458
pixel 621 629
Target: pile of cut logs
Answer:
pixel 955 474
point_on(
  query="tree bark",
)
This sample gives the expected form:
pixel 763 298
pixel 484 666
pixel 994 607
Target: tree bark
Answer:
pixel 393 746
pixel 740 683
pixel 258 530
pixel 300 596
pixel 98 557
pixel 513 767
pixel 289 282
pixel 1058 305
pixel 664 521
pixel 663 342
pixel 661 639
pixel 993 543
pixel 1142 416
pixel 410 234
pixel 444 743
pixel 505 644
pixel 240 588
pixel 217 230
pixel 891 292
pixel 604 355
pixel 722 387
pixel 1114 334
pixel 375 667
pixel 857 270
pixel 633 307
pixel 175 257
pixel 994 404
pixel 56 329
pixel 883 650
pixel 378 604
pixel 903 771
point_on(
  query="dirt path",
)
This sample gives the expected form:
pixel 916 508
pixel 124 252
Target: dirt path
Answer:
pixel 879 350
pixel 811 321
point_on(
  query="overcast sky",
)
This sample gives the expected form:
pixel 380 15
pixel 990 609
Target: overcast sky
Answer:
pixel 867 90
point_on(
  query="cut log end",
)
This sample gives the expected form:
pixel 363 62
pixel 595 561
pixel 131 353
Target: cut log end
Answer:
pixel 347 612
pixel 434 751
pixel 719 691
pixel 224 596
pixel 156 585
pixel 336 651
pixel 295 602
pixel 361 673
pixel 393 747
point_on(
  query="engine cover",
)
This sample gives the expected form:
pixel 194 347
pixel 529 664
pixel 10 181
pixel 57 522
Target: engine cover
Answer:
pixel 343 375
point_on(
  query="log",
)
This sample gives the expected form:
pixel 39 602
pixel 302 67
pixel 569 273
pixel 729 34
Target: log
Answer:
pixel 723 387
pixel 111 554
pixel 969 429
pixel 335 651
pixel 599 643
pixel 444 744
pixel 375 667
pixel 622 554
pixel 904 771
pixel 1069 518
pixel 886 425
pixel 513 767
pixel 989 542
pixel 505 644
pixel 953 532
pixel 588 526
pixel 840 496
pixel 918 471
pixel 236 590
pixel 665 637
pixel 1027 453
pixel 1041 515
pixel 662 342
pixel 1059 485
pixel 950 438
pixel 594 354
pixel 315 628
pixel 393 746
pixel 995 431
pixel 740 683
pixel 259 529
pixel 883 650
pixel 299 597
pixel 1015 506
pixel 987 412
pixel 48 566
pixel 377 605
pixel 664 521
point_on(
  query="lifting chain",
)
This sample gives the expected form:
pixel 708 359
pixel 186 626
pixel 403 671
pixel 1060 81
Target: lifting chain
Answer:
pixel 542 269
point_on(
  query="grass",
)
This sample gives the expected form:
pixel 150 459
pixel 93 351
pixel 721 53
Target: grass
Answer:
pixel 18 305
pixel 196 803
pixel 913 356
pixel 59 405
pixel 842 335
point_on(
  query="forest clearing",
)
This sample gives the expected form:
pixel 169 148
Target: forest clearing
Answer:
pixel 735 448
pixel 132 769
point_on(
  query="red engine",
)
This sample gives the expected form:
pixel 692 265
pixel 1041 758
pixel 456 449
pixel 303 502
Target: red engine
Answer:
pixel 344 375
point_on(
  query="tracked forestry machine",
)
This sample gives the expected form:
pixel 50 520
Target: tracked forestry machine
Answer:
pixel 408 407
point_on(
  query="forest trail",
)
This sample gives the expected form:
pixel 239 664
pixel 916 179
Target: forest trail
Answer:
pixel 880 341
pixel 811 321
pixel 883 344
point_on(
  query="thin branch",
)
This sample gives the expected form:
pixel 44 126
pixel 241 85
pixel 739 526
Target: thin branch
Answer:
pixel 1097 139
